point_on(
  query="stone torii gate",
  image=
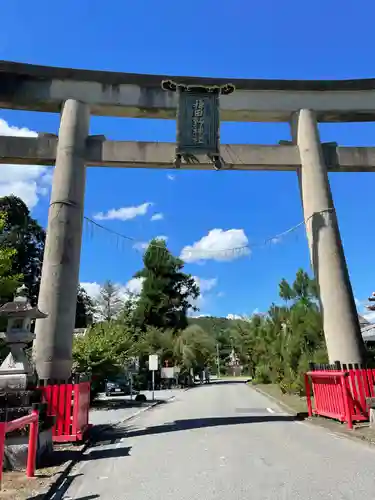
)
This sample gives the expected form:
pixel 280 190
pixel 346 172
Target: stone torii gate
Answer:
pixel 77 94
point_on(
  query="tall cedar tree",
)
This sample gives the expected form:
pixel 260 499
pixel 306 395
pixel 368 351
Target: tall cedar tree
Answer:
pixel 167 292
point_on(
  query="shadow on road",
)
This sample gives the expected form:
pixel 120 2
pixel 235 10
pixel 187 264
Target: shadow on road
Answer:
pixel 123 451
pixel 60 457
pixel 199 423
pixel 86 497
pixel 230 381
pixel 112 435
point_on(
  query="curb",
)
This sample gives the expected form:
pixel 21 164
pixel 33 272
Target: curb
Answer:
pixel 53 488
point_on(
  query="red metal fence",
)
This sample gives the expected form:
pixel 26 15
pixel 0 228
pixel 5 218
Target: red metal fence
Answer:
pixel 340 394
pixel 19 423
pixel 69 404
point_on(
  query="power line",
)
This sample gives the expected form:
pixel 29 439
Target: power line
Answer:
pixel 244 248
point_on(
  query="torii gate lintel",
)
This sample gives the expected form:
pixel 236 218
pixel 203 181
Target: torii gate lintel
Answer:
pixel 81 93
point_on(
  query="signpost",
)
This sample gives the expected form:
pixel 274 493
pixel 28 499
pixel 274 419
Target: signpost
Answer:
pixel 133 368
pixel 153 366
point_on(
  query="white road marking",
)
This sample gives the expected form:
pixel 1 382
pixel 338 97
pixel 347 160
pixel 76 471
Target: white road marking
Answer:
pixel 270 410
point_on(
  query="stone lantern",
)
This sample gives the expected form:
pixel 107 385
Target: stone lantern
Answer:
pixel 16 371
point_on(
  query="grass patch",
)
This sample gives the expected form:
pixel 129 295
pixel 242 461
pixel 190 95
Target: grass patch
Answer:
pixel 361 430
pixel 293 401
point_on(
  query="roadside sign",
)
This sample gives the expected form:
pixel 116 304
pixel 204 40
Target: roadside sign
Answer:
pixel 153 362
pixel 153 365
pixel 168 372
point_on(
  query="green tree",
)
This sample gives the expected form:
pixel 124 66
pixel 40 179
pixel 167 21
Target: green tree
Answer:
pixel 189 349
pixel 23 235
pixel 84 310
pixel 9 280
pixel 286 292
pixel 104 351
pixel 194 348
pixel 167 293
pixel 277 347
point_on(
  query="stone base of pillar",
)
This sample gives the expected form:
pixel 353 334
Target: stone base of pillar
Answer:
pixel 61 370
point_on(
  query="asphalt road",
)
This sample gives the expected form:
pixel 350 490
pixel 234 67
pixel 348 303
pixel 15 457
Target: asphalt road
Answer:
pixel 222 441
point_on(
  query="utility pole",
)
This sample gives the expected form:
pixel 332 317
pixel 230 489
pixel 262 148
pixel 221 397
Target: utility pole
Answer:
pixel 218 360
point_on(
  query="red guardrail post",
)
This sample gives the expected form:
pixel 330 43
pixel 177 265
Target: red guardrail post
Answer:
pixel 2 446
pixel 308 395
pixel 347 405
pixel 33 442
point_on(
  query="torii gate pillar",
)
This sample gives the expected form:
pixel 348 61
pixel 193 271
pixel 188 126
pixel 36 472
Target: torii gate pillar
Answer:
pixel 340 319
pixel 60 272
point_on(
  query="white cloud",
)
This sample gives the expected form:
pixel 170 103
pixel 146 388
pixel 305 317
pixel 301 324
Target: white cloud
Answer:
pixel 171 177
pixel 134 286
pixel 205 287
pixel 28 182
pixel 123 213
pixel 92 288
pixel 142 245
pixel 234 316
pixel 127 291
pixel 245 317
pixel 157 216
pixel 218 245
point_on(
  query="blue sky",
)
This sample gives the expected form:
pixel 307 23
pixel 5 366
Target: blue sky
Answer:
pixel 245 39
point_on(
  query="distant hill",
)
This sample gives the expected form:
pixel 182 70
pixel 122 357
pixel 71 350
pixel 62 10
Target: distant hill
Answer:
pixel 211 324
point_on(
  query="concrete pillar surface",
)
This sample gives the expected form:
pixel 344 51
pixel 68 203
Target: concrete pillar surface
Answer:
pixel 340 318
pixel 60 273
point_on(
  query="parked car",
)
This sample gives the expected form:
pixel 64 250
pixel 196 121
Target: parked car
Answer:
pixel 118 387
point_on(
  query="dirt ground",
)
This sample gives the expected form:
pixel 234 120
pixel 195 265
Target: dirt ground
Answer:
pixel 16 486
